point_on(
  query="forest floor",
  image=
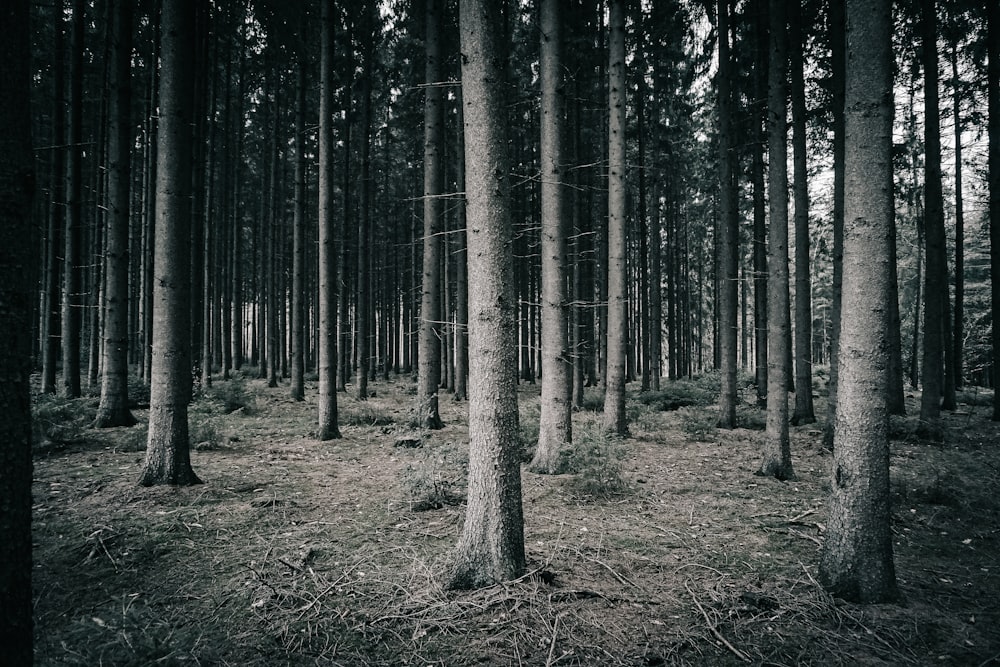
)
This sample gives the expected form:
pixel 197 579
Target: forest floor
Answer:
pixel 661 549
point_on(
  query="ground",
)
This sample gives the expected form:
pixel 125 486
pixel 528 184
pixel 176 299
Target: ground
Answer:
pixel 661 549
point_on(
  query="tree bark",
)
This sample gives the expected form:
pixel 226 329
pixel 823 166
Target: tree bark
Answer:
pixel 804 412
pixel 614 395
pixel 429 365
pixel 327 353
pixel 993 104
pixel 72 297
pixel 856 560
pixel 168 458
pixel 777 455
pixel 491 547
pixel 728 230
pixel 761 54
pixel 113 408
pixel 936 273
pixel 297 388
pixel 17 185
pixel 554 425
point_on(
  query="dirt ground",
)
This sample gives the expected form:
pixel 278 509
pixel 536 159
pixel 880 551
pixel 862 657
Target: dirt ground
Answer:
pixel 662 549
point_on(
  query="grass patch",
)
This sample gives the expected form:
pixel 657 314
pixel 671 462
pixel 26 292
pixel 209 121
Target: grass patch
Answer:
pixel 437 478
pixel 595 459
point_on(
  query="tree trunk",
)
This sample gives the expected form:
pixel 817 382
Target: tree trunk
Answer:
pixel 429 367
pixel 958 331
pixel 936 272
pixel 491 547
pixel 554 424
pixel 993 96
pixel 761 53
pixel 363 307
pixel 17 181
pixel 804 412
pixel 856 560
pixel 113 409
pixel 838 66
pixel 461 265
pixel 72 301
pixel 298 332
pixel 777 455
pixel 168 458
pixel 328 428
pixel 728 230
pixel 57 214
pixel 614 395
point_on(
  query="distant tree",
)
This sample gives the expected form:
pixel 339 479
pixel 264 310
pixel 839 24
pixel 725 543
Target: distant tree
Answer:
pixel 17 184
pixel 429 363
pixel 936 274
pixel 491 547
pixel 554 424
pixel 72 296
pixel 168 454
pixel 614 395
pixel 298 330
pixel 856 559
pixel 328 428
pixel 113 409
pixel 728 231
pixel 804 412
pixel 777 456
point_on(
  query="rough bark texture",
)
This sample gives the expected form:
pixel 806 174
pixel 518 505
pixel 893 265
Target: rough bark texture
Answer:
pixel 760 200
pixel 431 333
pixel 804 412
pixel 993 95
pixel 53 266
pixel 17 184
pixel 932 374
pixel 728 231
pixel 113 409
pixel 461 266
pixel 168 457
pixel 777 453
pixel 328 428
pixel 491 547
pixel 958 331
pixel 856 559
pixel 554 425
pixel 614 395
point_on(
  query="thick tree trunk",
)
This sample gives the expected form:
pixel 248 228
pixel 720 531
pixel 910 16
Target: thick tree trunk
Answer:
pixel 491 547
pixel 328 428
pixel 554 425
pixel 728 250
pixel 429 366
pixel 168 458
pixel 777 455
pixel 614 395
pixel 856 559
pixel 804 412
pixel 17 183
pixel 113 409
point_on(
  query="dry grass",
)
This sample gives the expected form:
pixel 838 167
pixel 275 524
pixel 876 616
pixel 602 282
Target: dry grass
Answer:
pixel 299 552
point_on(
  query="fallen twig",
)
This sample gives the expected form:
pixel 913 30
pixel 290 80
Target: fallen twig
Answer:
pixel 711 627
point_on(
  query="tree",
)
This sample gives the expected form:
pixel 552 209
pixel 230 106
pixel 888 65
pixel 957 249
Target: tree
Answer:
pixel 614 394
pixel 298 331
pixel 856 559
pixel 761 47
pixel 993 104
pixel 168 454
pixel 554 424
pixel 804 413
pixel 777 457
pixel 429 357
pixel 728 232
pixel 72 296
pixel 327 267
pixel 936 273
pixel 113 409
pixel 491 547
pixel 17 183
